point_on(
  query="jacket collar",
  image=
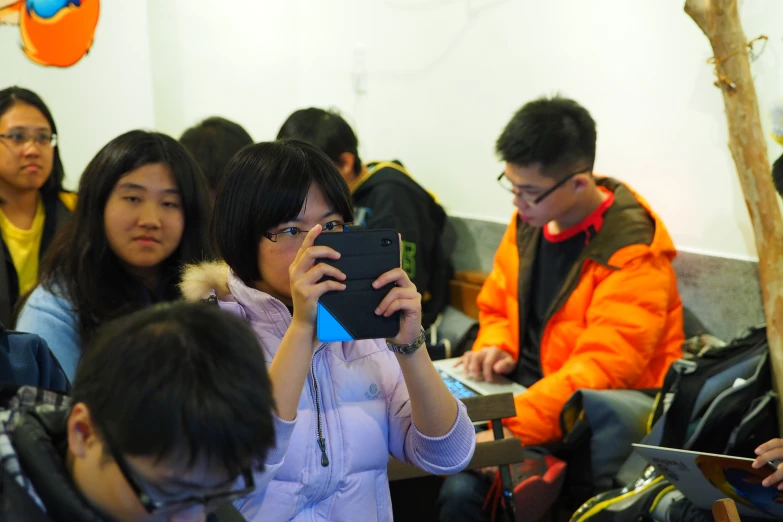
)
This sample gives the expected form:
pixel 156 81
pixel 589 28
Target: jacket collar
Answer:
pixel 201 281
pixel 261 309
pixel 628 221
pixel 268 316
pixel 40 441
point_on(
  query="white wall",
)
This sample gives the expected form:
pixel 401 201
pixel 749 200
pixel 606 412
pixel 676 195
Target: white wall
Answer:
pixel 105 94
pixel 444 76
pixel 441 79
pixel 238 61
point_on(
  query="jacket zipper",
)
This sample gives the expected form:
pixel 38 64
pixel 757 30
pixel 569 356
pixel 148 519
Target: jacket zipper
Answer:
pixel 316 399
pixel 319 434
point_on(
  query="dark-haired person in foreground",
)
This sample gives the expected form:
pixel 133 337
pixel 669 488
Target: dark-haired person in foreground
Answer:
pixel 582 293
pixel 171 412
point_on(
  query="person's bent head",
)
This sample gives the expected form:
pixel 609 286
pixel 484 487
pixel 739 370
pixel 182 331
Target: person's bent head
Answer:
pixel 270 196
pixel 172 410
pixel 549 149
pixel 328 131
pixel 212 143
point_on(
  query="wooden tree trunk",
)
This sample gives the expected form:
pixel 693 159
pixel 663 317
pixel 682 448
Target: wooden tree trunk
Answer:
pixel 719 20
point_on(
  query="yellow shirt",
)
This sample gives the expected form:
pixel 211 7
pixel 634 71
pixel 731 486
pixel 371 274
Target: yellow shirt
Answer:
pixel 24 247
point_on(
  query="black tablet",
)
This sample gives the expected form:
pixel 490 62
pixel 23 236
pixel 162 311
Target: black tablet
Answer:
pixel 349 314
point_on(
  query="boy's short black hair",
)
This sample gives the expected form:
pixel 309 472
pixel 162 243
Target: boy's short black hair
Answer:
pixel 265 185
pixel 327 130
pixel 551 132
pixel 180 377
pixel 777 175
pixel 212 143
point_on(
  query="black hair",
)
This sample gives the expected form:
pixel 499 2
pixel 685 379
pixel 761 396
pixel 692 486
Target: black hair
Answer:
pixel 327 130
pixel 264 185
pixel 180 377
pixel 9 97
pixel 551 132
pixel 777 175
pixel 81 266
pixel 212 142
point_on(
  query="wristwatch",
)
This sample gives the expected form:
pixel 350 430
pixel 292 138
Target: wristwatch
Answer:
pixel 407 349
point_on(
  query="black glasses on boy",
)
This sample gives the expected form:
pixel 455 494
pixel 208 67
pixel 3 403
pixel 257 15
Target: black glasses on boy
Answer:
pixel 211 501
pixel 535 199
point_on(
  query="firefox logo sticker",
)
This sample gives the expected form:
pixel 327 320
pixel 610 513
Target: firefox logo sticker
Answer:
pixel 56 33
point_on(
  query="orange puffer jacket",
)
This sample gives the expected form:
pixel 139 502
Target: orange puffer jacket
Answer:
pixel 616 323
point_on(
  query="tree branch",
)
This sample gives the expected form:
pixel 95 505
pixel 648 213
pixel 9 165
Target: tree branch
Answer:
pixel 698 10
pixel 720 22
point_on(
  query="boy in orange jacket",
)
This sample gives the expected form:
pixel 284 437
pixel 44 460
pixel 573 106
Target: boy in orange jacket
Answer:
pixel 582 293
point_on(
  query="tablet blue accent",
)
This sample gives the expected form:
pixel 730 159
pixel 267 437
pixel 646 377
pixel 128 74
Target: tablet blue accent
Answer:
pixel 328 328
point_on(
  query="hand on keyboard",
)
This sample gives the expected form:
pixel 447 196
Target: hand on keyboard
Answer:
pixel 486 364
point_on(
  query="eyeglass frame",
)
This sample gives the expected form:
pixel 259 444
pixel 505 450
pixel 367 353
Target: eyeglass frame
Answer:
pixel 547 192
pixel 151 506
pixel 32 138
pixel 273 237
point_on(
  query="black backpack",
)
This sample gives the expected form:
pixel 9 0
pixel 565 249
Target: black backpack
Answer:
pixel 721 401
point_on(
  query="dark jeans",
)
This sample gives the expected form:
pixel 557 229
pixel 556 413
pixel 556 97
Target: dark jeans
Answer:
pixel 462 497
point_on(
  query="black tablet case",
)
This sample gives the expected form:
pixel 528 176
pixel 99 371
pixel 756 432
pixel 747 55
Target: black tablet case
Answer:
pixel 349 314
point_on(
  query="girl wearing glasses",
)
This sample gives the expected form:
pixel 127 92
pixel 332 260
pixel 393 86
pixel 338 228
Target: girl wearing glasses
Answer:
pixel 32 201
pixel 142 216
pixel 342 408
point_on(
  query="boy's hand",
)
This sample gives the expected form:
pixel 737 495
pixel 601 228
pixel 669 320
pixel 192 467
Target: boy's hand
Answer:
pixel 771 452
pixel 487 363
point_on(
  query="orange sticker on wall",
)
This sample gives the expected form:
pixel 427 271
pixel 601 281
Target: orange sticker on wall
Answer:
pixel 57 33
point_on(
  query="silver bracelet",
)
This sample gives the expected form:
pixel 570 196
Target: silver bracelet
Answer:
pixel 407 349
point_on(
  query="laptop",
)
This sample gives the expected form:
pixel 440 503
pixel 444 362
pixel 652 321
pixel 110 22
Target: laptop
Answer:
pixel 705 478
pixel 462 386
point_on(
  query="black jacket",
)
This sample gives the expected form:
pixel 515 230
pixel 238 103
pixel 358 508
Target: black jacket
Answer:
pixel 40 443
pixel 389 198
pixel 56 214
